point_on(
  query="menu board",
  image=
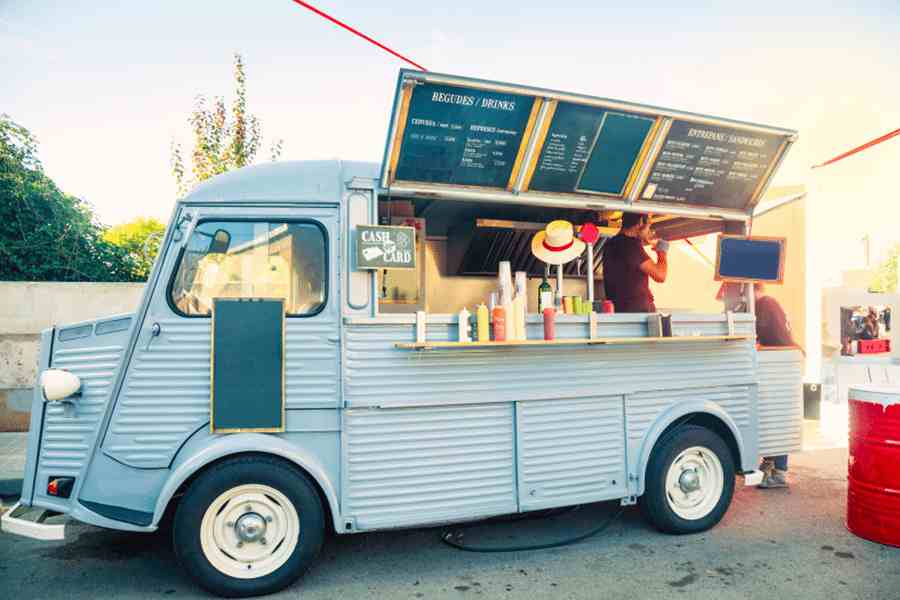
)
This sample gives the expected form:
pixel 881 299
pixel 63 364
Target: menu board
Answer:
pixel 566 147
pixel 456 132
pixel 462 136
pixel 615 151
pixel 750 259
pixel 589 148
pixel 710 165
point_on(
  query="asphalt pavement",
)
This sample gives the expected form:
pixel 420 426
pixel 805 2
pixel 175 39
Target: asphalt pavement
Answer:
pixel 772 544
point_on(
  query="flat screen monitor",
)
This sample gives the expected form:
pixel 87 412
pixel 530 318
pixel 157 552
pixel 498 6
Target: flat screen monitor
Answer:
pixel 740 258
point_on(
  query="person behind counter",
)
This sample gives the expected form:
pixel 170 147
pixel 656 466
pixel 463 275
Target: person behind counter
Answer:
pixel 627 268
pixel 772 329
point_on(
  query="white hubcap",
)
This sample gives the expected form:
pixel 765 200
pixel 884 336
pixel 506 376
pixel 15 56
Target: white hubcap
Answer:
pixel 694 483
pixel 249 531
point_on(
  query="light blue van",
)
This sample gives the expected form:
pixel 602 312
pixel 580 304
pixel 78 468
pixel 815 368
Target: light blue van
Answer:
pixel 381 432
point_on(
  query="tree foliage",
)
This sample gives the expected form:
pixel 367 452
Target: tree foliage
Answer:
pixel 140 238
pixel 222 139
pixel 885 279
pixel 45 234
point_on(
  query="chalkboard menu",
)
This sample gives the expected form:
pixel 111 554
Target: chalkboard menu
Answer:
pixel 462 136
pixel 566 147
pixel 750 259
pixel 710 165
pixel 589 148
pixel 247 365
pixel 615 151
pixel 527 144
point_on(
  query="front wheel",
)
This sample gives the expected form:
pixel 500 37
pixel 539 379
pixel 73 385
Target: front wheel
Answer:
pixel 248 526
pixel 690 481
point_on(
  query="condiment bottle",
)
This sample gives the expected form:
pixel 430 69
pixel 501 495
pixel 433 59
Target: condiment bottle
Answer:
pixel 545 294
pixel 499 323
pixel 484 333
pixel 506 301
pixel 549 323
pixel 420 327
pixel 463 325
pixel 515 322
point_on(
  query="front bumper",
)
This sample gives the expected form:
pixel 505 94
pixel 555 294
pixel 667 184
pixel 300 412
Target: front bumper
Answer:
pixel 12 522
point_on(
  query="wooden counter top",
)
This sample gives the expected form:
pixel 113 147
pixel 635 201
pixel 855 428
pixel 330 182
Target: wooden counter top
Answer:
pixel 570 342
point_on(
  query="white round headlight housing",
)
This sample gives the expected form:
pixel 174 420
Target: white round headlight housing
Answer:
pixel 58 384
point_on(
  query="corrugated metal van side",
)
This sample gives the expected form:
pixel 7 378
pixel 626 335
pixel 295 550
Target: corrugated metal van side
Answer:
pixel 570 451
pixel 378 374
pixel 166 394
pixel 415 465
pixel 780 402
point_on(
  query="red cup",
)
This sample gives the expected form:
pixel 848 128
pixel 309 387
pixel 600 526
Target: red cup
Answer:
pixel 608 307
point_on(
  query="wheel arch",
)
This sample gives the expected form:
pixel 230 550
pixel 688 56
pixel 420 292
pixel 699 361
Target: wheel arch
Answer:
pixel 705 414
pixel 215 450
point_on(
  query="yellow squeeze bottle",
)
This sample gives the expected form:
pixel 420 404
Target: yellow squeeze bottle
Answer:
pixel 484 329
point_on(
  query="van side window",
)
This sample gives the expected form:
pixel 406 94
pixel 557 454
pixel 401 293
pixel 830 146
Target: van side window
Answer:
pixel 252 259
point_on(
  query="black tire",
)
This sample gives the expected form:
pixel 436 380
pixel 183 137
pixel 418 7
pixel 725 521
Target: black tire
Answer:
pixel 224 476
pixel 655 502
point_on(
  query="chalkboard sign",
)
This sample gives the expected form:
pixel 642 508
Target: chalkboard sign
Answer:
pixel 566 147
pixel 247 365
pixel 750 259
pixel 383 247
pixel 710 165
pixel 455 132
pixel 462 136
pixel 589 148
pixel 618 145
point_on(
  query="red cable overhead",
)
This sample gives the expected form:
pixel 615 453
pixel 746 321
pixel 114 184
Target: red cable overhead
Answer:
pixel 356 32
pixel 874 142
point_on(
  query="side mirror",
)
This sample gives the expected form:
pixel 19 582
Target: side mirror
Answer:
pixel 219 243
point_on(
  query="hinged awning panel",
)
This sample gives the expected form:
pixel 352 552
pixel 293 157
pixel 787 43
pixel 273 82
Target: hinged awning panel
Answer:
pixel 455 134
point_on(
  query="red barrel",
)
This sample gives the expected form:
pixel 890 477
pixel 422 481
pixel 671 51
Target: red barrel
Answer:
pixel 873 493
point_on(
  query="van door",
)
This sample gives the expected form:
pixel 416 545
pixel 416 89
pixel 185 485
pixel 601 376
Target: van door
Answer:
pixel 283 253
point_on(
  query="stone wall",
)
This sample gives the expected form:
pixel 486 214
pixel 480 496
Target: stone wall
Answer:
pixel 26 308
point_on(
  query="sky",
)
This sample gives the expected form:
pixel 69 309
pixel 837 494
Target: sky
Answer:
pixel 106 87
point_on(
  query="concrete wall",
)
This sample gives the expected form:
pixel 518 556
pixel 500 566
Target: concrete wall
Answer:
pixel 28 307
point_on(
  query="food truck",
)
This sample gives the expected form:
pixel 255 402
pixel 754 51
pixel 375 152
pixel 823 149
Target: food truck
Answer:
pixel 297 362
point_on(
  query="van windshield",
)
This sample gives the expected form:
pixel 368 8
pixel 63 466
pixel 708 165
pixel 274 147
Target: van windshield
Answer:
pixel 252 259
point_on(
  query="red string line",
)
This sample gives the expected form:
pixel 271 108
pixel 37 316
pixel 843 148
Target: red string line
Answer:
pixel 357 32
pixel 874 142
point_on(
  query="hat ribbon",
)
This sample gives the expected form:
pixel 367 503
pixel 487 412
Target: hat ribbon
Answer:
pixel 558 248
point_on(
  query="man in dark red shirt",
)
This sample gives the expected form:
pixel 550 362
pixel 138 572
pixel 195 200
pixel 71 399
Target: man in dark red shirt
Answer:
pixel 627 267
pixel 772 329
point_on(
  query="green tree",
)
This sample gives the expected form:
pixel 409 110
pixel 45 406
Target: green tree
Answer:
pixel 885 279
pixel 222 140
pixel 140 238
pixel 45 234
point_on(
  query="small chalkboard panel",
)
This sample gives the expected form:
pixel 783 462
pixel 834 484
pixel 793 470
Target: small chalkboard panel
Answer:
pixel 462 136
pixel 750 259
pixel 618 145
pixel 709 165
pixel 566 147
pixel 247 365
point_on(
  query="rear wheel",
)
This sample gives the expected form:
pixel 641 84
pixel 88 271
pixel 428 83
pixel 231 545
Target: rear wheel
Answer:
pixel 248 526
pixel 690 481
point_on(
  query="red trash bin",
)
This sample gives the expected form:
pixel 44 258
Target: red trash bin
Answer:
pixel 873 491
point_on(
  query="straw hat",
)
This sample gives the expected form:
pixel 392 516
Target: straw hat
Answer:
pixel 556 244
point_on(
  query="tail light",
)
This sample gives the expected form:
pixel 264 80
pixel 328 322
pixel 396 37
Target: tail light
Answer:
pixel 61 487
